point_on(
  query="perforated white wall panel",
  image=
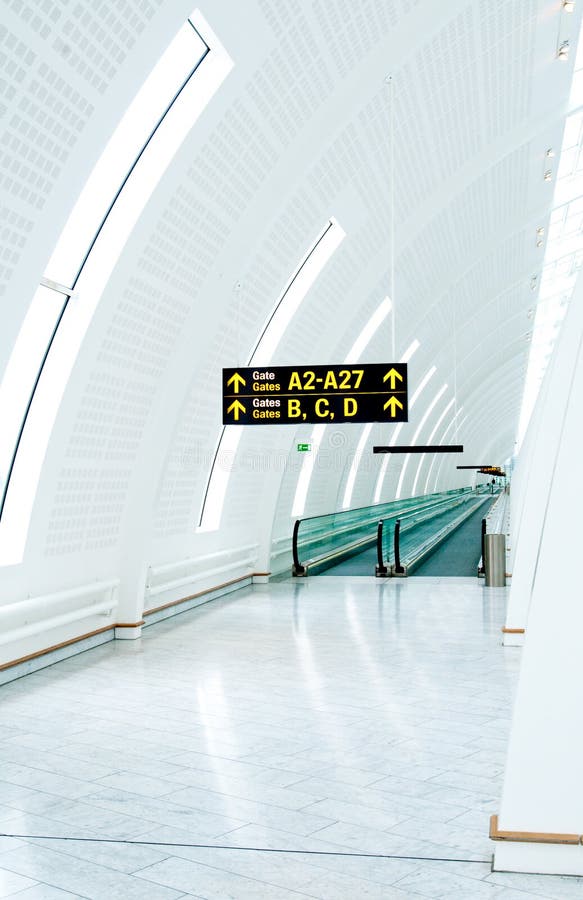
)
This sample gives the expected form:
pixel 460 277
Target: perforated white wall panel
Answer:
pixel 298 133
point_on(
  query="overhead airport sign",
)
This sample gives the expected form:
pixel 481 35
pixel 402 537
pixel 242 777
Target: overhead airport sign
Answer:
pixel 290 395
pixel 421 448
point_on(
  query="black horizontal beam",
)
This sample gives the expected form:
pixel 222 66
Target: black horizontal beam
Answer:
pixel 475 467
pixel 421 448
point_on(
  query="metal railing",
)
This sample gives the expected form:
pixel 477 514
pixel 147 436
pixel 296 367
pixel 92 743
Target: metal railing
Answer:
pixel 322 541
pixel 403 544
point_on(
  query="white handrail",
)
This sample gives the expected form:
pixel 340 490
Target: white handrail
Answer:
pixel 34 603
pixel 495 520
pixel 17 634
pixel 195 576
pixel 196 561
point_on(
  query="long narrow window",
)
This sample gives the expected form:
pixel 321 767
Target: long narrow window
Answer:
pixel 353 356
pixel 25 363
pixel 161 116
pixel 271 334
pixel 443 458
pixel 424 418
pixel 137 127
pixel 443 437
pixel 387 457
pixel 430 441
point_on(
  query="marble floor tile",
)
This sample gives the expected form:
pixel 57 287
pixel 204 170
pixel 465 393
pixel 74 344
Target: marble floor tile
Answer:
pixel 441 884
pixel 10 883
pixel 151 811
pixel 80 877
pixel 333 716
pixel 350 775
pixel 251 811
pixel 121 857
pixel 552 887
pixel 143 785
pixel 339 886
pixel 45 892
pixel 210 883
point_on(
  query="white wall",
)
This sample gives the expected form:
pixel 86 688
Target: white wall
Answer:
pixel 297 133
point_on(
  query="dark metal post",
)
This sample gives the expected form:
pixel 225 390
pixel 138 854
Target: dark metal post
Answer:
pixel 482 569
pixel 297 569
pixel 398 568
pixel 381 570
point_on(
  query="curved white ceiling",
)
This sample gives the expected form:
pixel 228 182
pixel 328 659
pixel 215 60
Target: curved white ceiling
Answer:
pixel 295 136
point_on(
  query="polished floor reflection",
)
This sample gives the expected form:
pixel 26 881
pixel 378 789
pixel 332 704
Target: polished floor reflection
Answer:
pixel 340 715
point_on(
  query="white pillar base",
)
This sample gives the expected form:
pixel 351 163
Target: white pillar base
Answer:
pixel 128 632
pixel 510 639
pixel 538 859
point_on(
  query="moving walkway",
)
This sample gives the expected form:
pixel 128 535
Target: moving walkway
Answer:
pixel 404 532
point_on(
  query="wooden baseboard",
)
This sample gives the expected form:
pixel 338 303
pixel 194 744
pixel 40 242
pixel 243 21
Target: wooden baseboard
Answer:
pixel 531 837
pixel 209 590
pixel 37 653
pixel 90 634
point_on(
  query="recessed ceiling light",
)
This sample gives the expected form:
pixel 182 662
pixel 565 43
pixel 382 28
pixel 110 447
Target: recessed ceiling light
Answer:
pixel 540 231
pixel 568 5
pixel 539 243
pixel 550 152
pixel 563 51
pixel 548 175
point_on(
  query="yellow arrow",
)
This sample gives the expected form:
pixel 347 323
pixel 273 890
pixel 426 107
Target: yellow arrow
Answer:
pixel 392 402
pixel 392 374
pixel 237 380
pixel 236 407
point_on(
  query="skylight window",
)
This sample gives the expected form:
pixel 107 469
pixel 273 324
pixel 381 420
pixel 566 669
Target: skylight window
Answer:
pixel 306 471
pixel 286 307
pixel 446 457
pixel 145 112
pixel 387 457
pixel 424 418
pixel 430 441
pixel 295 291
pixel 355 465
pixel 22 371
pixel 353 356
pixel 368 332
pixel 443 437
pixel 92 247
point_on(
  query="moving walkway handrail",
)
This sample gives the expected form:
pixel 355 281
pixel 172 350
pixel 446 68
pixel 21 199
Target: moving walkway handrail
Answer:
pixel 412 520
pixel 381 568
pixel 397 548
pixel 411 504
pixel 348 531
pixel 298 568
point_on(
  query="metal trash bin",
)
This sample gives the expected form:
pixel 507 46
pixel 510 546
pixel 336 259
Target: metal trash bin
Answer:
pixel 495 559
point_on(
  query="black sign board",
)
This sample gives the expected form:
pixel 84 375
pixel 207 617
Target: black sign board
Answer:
pixel 292 395
pixel 422 448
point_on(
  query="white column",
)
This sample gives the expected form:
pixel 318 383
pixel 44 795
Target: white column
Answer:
pixel 541 446
pixel 543 788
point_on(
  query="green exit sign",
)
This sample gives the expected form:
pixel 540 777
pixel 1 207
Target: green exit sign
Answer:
pixel 304 448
